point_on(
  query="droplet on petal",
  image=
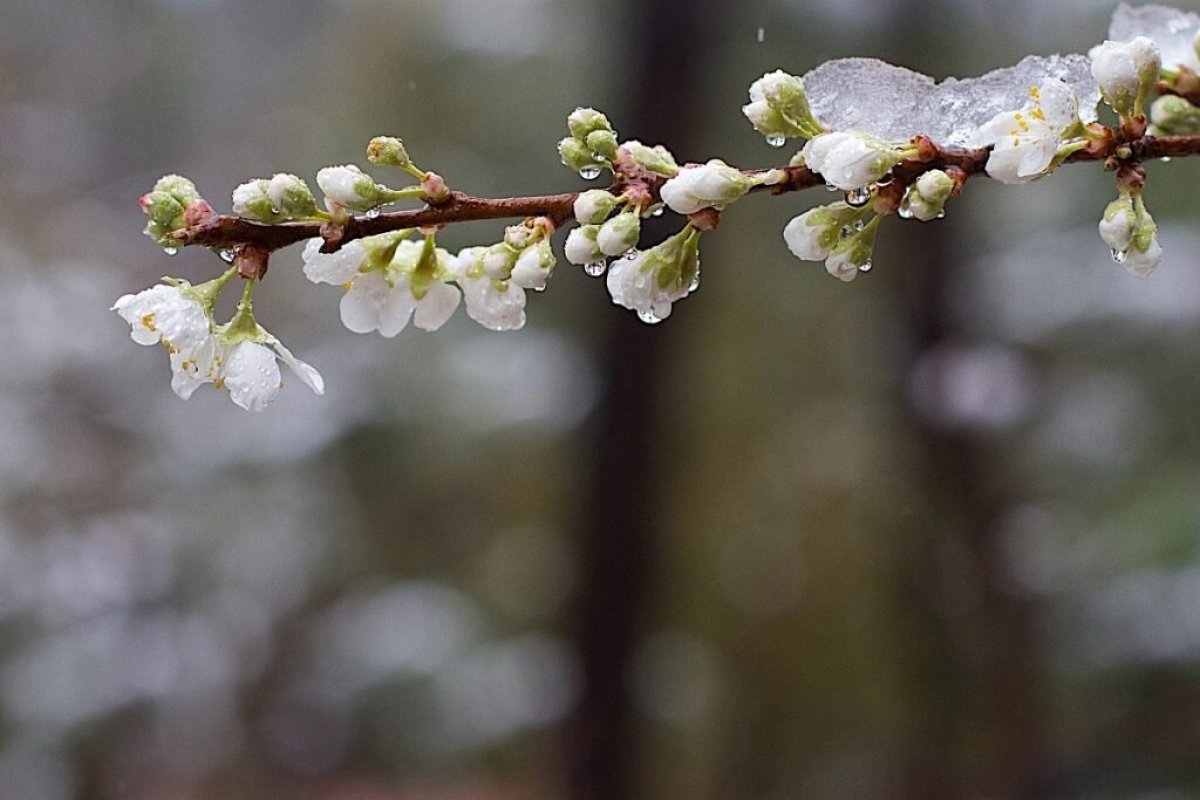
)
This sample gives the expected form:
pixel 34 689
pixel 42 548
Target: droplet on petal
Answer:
pixel 1119 256
pixel 777 141
pixel 227 256
pixel 649 317
pixel 170 250
pixel 374 213
pixel 595 268
pixel 905 211
pixel 865 266
pixel 589 173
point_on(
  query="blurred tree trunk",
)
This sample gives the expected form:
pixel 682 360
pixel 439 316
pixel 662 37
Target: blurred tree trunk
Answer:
pixel 980 730
pixel 619 521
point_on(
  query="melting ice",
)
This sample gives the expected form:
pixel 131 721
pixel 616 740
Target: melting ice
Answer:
pixel 1171 29
pixel 894 103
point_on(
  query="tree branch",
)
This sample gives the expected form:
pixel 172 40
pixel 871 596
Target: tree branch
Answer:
pixel 227 232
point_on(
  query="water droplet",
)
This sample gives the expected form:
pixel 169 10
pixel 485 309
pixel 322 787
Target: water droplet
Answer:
pixel 599 159
pixel 777 141
pixel 1165 159
pixel 905 211
pixel 858 197
pixel 595 268
pixel 847 231
pixel 829 187
pixel 695 284
pixel 941 214
pixel 632 254
pixel 865 266
pixel 373 213
pixel 170 250
pixel 649 317
pixel 1119 256
pixel 657 212
pixel 541 288
pixel 227 256
pixel 859 225
pixel 589 173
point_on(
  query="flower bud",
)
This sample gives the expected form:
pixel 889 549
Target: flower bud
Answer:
pixel 581 247
pixel 388 151
pixel 534 266
pixel 291 196
pixel 593 206
pixel 650 283
pixel 812 235
pixel 349 187
pixel 603 144
pixel 712 185
pixel 180 188
pixel 619 234
pixel 926 199
pixel 656 159
pixel 1126 71
pixel 850 160
pixel 251 201
pixel 584 121
pixel 779 107
pixel 575 154
pixel 1117 224
pixel 1173 115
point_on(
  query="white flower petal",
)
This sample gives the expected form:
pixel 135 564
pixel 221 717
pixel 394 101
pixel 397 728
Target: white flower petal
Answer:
pixel 251 375
pixel 436 307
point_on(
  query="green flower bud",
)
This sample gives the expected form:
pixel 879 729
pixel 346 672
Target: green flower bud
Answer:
pixel 583 121
pixel 620 234
pixel 576 155
pixel 927 198
pixel 656 159
pixel 388 151
pixel 1173 115
pixel 179 187
pixel 603 143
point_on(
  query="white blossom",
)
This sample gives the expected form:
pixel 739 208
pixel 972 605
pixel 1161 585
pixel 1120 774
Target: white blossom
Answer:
pixel 176 316
pixel 649 282
pixel 349 187
pixel 850 160
pixel 1026 142
pixel 1117 225
pixel 249 370
pixel 337 268
pixel 409 287
pixel 498 305
pixel 250 200
pixel 700 186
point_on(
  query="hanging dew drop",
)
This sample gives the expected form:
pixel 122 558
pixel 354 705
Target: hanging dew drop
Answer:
pixel 595 268
pixel 858 197
pixel 865 266
pixel 941 214
pixel 227 256
pixel 829 187
pixel 170 250
pixel 589 173
pixel 1165 159
pixel 649 317
pixel 777 141
pixel 657 212
pixel 374 213
pixel 1119 256
pixel 905 211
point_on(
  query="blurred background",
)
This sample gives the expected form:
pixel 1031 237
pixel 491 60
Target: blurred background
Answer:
pixel 933 534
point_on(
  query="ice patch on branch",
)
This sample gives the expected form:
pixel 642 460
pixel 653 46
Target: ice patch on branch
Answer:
pixel 1171 29
pixel 896 104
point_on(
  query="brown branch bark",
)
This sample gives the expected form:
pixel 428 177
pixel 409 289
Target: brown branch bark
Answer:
pixel 222 231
